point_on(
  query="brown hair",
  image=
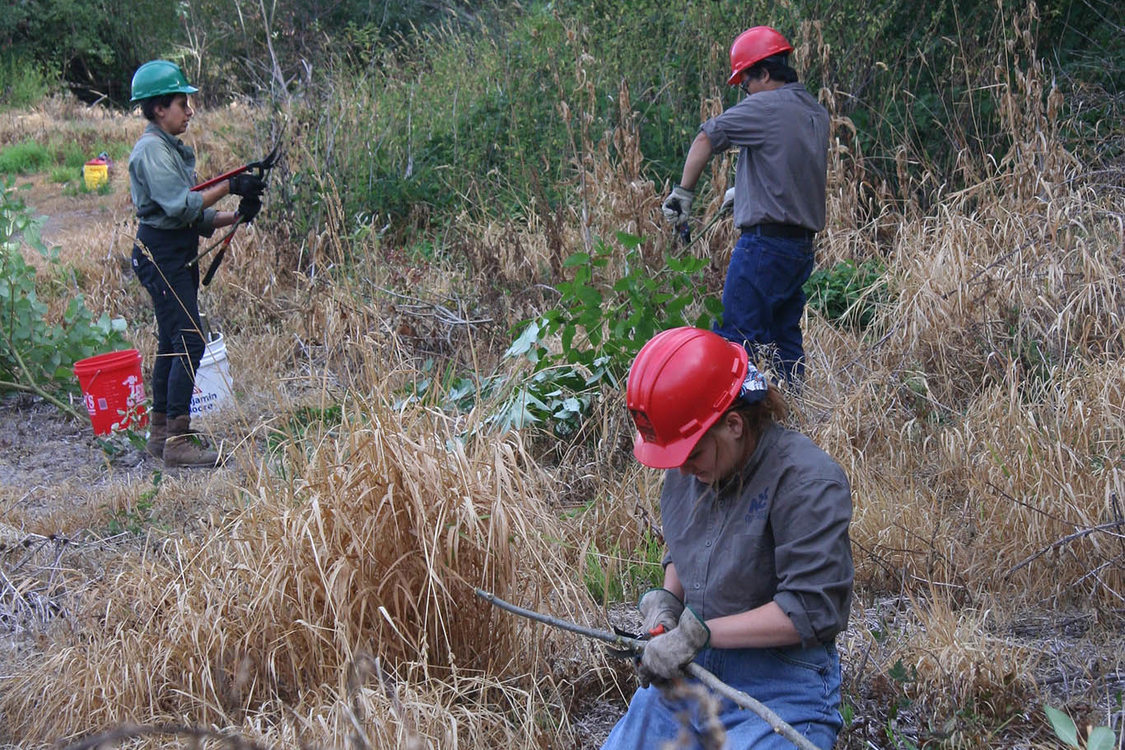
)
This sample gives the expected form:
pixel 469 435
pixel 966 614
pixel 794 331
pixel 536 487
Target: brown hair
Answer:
pixel 148 106
pixel 760 414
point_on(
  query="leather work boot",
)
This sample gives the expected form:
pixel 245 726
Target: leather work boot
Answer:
pixel 186 448
pixel 157 434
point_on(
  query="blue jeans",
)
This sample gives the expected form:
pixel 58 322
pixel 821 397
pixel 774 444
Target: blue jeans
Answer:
pixel 174 291
pixel 801 685
pixel 763 298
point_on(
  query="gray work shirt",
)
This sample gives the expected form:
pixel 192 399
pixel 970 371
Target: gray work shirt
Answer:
pixel 782 137
pixel 777 531
pixel 161 175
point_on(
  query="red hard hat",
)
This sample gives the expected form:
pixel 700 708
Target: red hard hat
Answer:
pixel 752 46
pixel 681 382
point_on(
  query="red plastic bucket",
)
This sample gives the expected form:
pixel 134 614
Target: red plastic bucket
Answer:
pixel 113 390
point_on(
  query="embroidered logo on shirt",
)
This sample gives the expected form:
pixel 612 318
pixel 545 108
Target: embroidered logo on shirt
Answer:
pixel 759 507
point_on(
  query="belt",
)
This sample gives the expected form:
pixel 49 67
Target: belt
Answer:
pixel 791 231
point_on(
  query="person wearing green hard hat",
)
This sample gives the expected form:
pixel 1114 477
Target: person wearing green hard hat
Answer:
pixel 171 218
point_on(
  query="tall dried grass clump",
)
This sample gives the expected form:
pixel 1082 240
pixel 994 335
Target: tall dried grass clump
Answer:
pixel 993 380
pixel 364 544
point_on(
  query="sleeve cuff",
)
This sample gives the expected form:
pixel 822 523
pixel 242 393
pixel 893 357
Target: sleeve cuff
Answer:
pixel 791 606
pixel 207 222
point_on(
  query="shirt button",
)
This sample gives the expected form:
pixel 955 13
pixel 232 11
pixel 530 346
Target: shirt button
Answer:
pixel 697 585
pixel 708 544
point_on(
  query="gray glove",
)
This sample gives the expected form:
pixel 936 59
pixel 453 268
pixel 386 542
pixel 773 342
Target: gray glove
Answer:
pixel 660 607
pixel 666 655
pixel 677 206
pixel 728 201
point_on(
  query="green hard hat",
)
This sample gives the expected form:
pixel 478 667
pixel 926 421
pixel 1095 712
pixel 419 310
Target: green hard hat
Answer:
pixel 159 77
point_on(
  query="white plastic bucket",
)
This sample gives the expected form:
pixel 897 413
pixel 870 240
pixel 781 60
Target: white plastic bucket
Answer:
pixel 212 379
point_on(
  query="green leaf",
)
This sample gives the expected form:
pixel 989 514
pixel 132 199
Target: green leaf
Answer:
pixel 629 241
pixel 1101 738
pixel 1063 725
pixel 526 340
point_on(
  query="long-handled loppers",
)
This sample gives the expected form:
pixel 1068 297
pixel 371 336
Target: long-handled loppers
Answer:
pixel 263 166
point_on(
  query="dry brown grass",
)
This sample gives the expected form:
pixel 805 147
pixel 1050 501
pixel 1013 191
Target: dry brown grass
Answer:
pixel 369 542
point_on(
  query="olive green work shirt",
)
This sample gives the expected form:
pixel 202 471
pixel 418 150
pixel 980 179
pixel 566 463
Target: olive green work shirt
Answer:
pixel 161 175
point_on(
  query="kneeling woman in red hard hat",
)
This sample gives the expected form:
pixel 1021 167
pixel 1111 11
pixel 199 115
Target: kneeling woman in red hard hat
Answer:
pixel 758 571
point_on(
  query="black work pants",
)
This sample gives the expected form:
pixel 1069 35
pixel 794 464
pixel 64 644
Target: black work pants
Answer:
pixel 175 298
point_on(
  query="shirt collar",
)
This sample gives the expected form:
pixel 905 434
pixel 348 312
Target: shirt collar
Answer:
pixel 173 141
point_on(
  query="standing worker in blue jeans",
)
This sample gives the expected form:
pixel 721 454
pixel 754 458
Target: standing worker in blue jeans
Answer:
pixel 758 570
pixel 781 133
pixel 171 219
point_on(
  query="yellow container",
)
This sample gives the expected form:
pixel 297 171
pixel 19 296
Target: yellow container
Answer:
pixel 96 174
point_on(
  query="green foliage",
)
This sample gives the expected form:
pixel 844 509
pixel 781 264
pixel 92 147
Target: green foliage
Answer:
pixel 22 83
pixel 617 574
pixel 63 175
pixel 37 355
pixel 413 149
pixel 24 157
pixel 1099 738
pixel 847 294
pixel 138 519
pixel 93 45
pixel 304 422
pixel 601 323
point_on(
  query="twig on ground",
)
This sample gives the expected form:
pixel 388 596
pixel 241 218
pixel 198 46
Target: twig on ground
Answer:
pixel 1103 527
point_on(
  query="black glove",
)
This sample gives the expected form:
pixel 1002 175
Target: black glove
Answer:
pixel 246 184
pixel 248 208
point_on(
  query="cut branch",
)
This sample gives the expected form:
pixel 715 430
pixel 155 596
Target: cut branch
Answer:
pixel 739 698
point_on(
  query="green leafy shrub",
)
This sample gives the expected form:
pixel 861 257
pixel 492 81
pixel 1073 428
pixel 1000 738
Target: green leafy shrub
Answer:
pixel 24 157
pixel 849 295
pixel 63 175
pixel 601 324
pixel 22 83
pixel 38 356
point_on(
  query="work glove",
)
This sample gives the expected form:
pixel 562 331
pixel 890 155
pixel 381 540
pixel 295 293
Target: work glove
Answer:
pixel 246 184
pixel 248 208
pixel 666 655
pixel 677 206
pixel 728 201
pixel 660 607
